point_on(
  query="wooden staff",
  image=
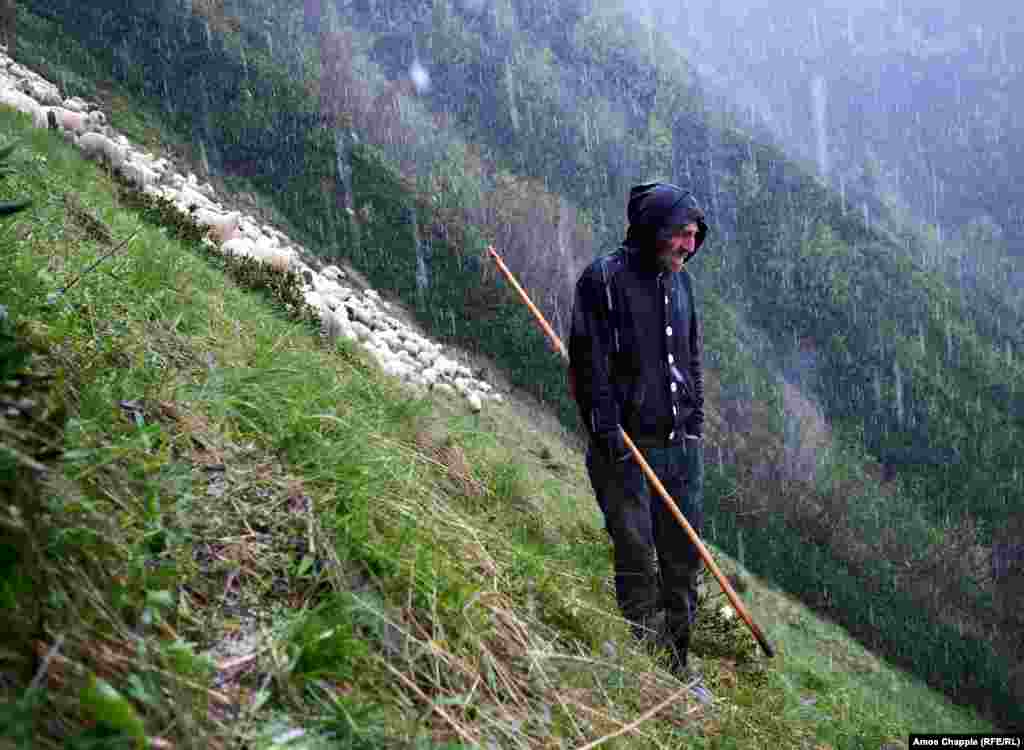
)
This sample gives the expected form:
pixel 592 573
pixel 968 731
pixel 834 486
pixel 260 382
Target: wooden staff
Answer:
pixel 648 472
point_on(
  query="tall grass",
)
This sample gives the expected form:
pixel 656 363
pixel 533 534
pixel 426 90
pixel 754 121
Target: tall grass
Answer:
pixel 250 538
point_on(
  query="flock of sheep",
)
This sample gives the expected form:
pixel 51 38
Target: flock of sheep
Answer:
pixel 344 313
pixel 87 128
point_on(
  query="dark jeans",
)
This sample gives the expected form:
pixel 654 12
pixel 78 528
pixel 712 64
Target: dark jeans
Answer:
pixel 656 564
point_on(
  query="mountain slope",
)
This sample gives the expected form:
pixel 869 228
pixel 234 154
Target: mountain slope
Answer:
pixel 244 537
pixel 927 550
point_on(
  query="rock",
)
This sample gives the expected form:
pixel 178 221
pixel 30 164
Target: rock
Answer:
pixel 444 388
pixel 372 295
pixel 474 401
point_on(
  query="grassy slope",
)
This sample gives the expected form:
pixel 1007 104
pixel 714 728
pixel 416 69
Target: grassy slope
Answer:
pixel 933 608
pixel 247 533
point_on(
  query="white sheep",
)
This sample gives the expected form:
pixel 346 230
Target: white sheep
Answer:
pixel 97 145
pixel 239 246
pixel 278 259
pixel 223 227
pixel 79 122
pixel 41 90
pixel 24 103
pixel 187 197
pixel 76 105
pixel 139 174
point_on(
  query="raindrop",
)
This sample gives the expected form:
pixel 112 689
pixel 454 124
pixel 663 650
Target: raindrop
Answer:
pixel 420 77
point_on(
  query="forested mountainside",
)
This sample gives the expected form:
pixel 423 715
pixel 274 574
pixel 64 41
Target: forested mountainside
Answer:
pixel 589 99
pixel 912 100
pixel 535 122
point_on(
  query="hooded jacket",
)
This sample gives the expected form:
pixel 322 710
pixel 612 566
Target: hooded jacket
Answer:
pixel 636 344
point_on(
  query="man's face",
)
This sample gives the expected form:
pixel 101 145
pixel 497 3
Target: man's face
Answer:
pixel 675 245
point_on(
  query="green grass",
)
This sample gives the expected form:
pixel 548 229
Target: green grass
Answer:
pixel 864 535
pixel 246 533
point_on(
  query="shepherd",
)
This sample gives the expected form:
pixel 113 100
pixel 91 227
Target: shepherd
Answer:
pixel 635 353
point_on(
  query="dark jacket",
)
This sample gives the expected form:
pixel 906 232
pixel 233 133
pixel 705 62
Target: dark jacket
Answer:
pixel 636 344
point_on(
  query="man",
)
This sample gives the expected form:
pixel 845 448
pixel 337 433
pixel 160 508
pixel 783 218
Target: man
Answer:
pixel 635 360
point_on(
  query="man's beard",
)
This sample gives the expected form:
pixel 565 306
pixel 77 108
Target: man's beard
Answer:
pixel 666 255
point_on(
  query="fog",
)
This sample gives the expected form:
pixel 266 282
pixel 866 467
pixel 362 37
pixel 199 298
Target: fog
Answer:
pixel 916 96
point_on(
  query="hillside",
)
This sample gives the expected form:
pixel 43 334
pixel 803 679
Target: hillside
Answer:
pixel 777 285
pixel 228 534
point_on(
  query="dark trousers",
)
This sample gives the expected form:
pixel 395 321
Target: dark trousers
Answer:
pixel 656 564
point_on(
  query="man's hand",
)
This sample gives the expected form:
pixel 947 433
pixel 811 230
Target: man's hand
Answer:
pixel 613 448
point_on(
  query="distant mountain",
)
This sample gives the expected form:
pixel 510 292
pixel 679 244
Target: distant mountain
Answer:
pixel 917 103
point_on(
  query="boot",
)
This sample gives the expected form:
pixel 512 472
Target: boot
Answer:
pixel 678 651
pixel 684 672
pixel 650 632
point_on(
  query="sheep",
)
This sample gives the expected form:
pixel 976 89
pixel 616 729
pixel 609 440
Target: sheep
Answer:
pixel 79 122
pixel 76 105
pixel 97 145
pixel 223 227
pixel 278 259
pixel 41 90
pixel 139 174
pixel 239 246
pixel 24 103
pixel 187 198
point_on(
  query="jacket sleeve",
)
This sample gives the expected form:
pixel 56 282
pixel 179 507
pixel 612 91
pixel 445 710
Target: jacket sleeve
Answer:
pixel 590 350
pixel 695 422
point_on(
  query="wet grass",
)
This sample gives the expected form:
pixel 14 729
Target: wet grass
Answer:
pixel 246 538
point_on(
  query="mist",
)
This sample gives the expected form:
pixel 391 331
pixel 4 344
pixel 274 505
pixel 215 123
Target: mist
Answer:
pixel 915 99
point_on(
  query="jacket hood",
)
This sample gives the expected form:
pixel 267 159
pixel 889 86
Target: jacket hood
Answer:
pixel 654 205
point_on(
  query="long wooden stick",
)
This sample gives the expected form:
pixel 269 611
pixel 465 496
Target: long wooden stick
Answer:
pixel 649 473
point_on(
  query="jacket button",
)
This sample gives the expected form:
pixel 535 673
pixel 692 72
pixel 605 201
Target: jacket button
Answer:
pixel 673 387
pixel 671 359
pixel 668 331
pixel 675 410
pixel 672 435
